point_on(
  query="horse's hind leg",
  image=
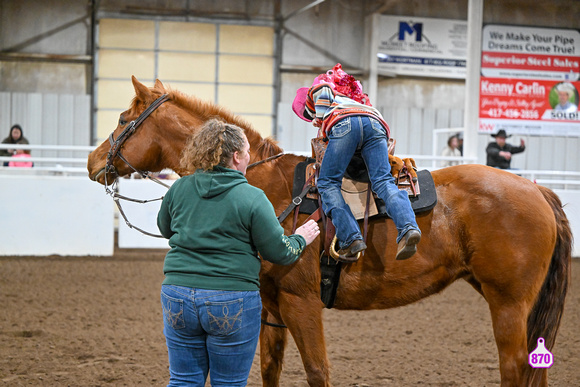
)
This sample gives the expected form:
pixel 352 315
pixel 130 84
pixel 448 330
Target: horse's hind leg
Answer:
pixel 509 320
pixel 272 344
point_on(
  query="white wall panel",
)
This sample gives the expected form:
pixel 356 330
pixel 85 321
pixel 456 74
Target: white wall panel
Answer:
pixel 50 122
pixel 65 133
pixel 34 119
pixel 5 117
pixel 427 130
pixel 48 119
pixel 143 216
pixel 571 202
pixel 46 215
pixel 415 130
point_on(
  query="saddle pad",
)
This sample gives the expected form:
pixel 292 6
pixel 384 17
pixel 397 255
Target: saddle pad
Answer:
pixel 424 202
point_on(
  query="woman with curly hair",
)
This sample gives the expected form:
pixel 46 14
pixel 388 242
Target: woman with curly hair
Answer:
pixel 216 224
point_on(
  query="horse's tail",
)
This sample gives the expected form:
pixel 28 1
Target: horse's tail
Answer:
pixel 544 319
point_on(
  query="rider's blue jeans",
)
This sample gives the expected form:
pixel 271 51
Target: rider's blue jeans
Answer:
pixel 367 135
pixel 210 330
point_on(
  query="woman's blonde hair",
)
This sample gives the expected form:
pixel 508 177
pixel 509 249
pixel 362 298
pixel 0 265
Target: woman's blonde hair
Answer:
pixel 215 144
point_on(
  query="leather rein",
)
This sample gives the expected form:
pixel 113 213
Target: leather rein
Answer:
pixel 115 151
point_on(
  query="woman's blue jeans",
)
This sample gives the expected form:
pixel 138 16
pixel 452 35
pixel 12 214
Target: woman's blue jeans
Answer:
pixel 213 331
pixel 345 138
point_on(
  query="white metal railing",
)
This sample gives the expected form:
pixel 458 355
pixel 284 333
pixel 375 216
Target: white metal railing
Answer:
pixel 568 180
pixel 433 160
pixel 55 164
pixel 68 160
pixel 426 158
pixel 80 148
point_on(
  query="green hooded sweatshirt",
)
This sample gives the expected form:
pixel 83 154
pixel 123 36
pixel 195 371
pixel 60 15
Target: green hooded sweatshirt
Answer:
pixel 216 223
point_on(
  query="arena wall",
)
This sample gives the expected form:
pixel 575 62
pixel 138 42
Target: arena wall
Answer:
pixel 50 215
pixel 145 216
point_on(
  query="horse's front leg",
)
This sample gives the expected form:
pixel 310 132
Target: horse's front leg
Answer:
pixel 303 317
pixel 272 344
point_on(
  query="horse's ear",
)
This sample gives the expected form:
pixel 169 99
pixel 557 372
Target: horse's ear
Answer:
pixel 159 85
pixel 143 93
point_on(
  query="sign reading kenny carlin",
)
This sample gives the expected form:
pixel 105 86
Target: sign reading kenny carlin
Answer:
pixel 422 47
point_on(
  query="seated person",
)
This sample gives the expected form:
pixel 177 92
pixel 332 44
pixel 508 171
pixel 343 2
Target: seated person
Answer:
pixel 20 159
pixel 452 149
pixel 15 137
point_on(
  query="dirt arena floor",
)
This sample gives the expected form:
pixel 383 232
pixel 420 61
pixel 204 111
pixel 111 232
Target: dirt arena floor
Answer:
pixel 93 321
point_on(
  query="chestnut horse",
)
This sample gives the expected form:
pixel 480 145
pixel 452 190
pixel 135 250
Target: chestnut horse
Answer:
pixel 504 235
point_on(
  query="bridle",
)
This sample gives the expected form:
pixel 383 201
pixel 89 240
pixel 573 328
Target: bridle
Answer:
pixel 266 160
pixel 115 151
pixel 117 143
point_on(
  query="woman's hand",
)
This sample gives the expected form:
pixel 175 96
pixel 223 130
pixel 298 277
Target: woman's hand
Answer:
pixel 309 231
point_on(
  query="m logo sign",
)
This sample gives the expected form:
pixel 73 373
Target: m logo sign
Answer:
pixel 407 28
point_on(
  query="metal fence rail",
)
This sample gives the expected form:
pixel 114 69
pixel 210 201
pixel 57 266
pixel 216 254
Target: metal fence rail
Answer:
pixel 48 164
pixel 567 180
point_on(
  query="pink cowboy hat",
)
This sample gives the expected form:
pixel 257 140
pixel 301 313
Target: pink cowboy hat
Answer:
pixel 299 104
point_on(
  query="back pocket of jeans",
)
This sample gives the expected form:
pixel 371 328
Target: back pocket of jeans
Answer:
pixel 173 311
pixel 378 127
pixel 225 318
pixel 342 128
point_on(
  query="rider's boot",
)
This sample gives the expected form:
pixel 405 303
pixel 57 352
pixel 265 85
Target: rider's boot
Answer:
pixel 350 253
pixel 408 245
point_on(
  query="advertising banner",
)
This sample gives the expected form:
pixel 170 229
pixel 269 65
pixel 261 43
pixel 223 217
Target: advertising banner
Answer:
pixel 532 107
pixel 531 53
pixel 530 81
pixel 422 47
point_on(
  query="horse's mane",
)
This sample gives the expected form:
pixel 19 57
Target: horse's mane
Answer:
pixel 206 110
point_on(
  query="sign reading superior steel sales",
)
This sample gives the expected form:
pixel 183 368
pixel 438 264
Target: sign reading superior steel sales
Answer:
pixel 529 83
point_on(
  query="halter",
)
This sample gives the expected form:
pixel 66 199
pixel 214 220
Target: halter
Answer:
pixel 115 151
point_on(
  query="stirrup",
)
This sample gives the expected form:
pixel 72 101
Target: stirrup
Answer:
pixel 335 255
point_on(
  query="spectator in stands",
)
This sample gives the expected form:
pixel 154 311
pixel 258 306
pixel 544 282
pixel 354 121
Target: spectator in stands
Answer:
pixel 16 137
pixel 451 151
pixel 19 159
pixel 499 153
pixel 460 142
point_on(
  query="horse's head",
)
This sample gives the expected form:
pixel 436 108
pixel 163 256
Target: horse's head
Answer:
pixel 158 142
pixel 146 148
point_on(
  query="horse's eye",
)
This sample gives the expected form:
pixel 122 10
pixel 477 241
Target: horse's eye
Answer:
pixel 122 122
